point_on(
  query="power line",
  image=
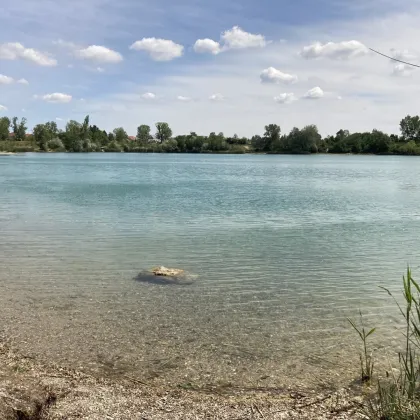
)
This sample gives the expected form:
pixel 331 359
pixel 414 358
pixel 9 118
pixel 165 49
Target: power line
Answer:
pixel 394 59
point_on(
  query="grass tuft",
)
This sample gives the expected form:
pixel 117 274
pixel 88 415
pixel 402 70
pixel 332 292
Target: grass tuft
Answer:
pixel 398 397
pixel 366 360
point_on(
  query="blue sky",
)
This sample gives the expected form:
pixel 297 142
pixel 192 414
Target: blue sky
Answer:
pixel 290 63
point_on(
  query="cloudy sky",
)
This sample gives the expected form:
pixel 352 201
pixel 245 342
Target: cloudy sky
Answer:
pixel 231 66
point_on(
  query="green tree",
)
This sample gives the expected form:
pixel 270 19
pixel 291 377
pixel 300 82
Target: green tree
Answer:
pixel 170 146
pixel 85 135
pixel 410 128
pixel 163 131
pixel 236 140
pixel 121 135
pixel 258 143
pixel 279 144
pixel 311 139
pixel 52 129
pixel 379 142
pixel 341 135
pixel 103 138
pixel 4 128
pixel 181 141
pixel 304 141
pixel 344 142
pixel 143 133
pixel 194 143
pixel 113 146
pixel 271 136
pixel 85 126
pixel 198 144
pixel 19 128
pixel 56 144
pixel 41 136
pixel 355 143
pixel 15 126
pixel 21 134
pixel 216 142
pixel 409 148
pixel 44 133
pixel 98 136
pixel 72 137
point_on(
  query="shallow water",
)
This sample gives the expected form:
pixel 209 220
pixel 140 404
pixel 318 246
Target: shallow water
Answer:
pixel 285 248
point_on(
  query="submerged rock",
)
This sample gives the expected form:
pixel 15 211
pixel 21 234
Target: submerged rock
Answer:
pixel 167 272
pixel 164 275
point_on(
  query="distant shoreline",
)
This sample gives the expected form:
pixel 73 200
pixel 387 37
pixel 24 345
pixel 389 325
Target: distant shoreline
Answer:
pixel 84 137
pixel 204 153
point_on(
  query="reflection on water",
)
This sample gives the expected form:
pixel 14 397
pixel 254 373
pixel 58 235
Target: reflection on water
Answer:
pixel 284 247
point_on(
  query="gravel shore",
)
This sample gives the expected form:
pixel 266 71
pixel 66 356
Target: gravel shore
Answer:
pixel 31 390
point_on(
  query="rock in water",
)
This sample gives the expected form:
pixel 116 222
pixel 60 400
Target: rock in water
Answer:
pixel 167 272
pixel 164 275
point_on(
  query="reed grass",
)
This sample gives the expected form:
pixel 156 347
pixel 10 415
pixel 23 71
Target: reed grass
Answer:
pixel 398 396
pixel 366 359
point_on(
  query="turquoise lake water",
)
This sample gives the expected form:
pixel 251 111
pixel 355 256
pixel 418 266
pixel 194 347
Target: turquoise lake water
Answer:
pixel 285 248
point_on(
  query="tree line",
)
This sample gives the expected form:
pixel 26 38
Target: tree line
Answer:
pixel 84 137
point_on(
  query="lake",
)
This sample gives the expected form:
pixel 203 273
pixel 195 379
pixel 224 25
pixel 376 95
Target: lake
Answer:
pixel 284 247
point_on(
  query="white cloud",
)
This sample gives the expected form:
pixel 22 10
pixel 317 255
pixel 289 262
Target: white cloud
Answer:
pixel 403 55
pixel 371 97
pixel 339 98
pixel 58 119
pixel 3 108
pixel 65 44
pixel 402 70
pixel 315 93
pixel 57 98
pixel 285 98
pixel 231 39
pixel 148 95
pixel 206 46
pixel 99 54
pixel 272 75
pixel 5 80
pixel 184 98
pixel 159 49
pixel 335 50
pixel 100 69
pixel 217 97
pixel 15 50
pixel 236 38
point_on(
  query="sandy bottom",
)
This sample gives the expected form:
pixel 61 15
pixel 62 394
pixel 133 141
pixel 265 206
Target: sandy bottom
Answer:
pixel 169 335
